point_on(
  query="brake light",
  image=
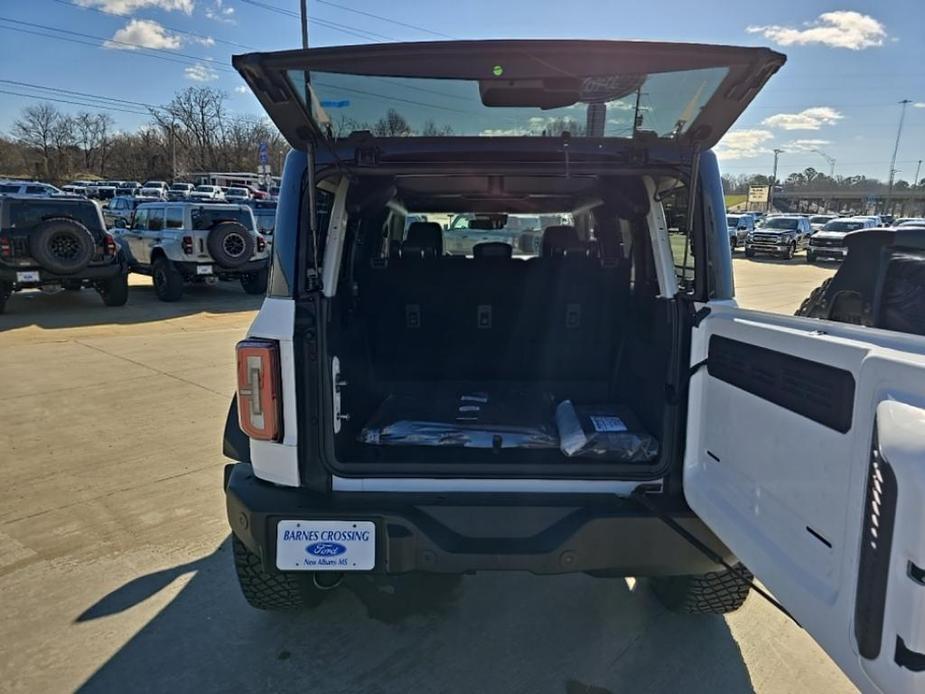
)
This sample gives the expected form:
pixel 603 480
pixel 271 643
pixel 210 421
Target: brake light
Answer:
pixel 6 248
pixel 109 245
pixel 259 390
pixel 187 245
pixel 261 244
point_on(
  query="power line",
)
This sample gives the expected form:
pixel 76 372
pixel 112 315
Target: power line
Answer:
pixel 198 59
pixel 385 19
pixel 176 30
pixel 354 31
pixel 41 97
pixel 86 95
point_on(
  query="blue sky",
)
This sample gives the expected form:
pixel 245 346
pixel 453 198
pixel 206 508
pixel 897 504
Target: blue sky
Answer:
pixel 848 63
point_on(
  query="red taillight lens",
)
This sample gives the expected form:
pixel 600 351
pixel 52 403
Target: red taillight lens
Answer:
pixel 187 245
pixel 259 392
pixel 261 244
pixel 6 248
pixel 109 245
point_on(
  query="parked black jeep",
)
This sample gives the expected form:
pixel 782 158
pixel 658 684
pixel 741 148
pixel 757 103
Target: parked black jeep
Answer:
pixel 58 242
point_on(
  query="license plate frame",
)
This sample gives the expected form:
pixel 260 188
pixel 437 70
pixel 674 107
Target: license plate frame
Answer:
pixel 203 269
pixel 325 545
pixel 28 276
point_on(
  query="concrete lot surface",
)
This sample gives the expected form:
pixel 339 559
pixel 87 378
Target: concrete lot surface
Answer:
pixel 115 567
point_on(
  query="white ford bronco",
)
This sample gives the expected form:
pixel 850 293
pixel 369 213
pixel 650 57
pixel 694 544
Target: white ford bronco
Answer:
pixel 596 402
pixel 180 242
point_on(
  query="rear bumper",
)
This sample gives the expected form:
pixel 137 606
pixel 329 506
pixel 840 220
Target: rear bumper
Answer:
pixel 456 534
pixel 191 268
pixel 92 273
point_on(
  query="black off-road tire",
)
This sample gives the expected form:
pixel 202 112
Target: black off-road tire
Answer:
pixel 812 306
pixel 277 591
pixel 718 592
pixel 6 290
pixel 62 245
pixel 255 282
pixel 231 244
pixel 168 281
pixel 114 292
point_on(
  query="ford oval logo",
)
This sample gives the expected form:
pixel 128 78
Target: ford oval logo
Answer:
pixel 325 549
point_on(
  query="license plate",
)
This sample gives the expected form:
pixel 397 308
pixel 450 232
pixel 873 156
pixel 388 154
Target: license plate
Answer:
pixel 28 276
pixel 203 269
pixel 325 545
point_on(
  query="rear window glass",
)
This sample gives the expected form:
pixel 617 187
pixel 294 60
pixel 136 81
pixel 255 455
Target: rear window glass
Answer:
pixel 207 217
pixel 26 214
pixel 7 188
pixel 614 105
pixel 266 220
pixel 523 233
pixel 843 226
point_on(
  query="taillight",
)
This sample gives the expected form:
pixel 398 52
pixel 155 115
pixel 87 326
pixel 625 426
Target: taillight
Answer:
pixel 259 391
pixel 261 244
pixel 187 245
pixel 109 245
pixel 6 248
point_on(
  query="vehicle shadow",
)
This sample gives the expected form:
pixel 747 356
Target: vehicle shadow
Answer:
pixel 485 633
pixel 798 259
pixel 74 309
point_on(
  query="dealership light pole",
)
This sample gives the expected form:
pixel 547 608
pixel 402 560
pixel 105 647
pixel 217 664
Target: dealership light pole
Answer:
pixel 304 15
pixel 777 153
pixel 899 132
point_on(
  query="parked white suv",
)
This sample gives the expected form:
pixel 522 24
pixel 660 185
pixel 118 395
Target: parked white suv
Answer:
pixel 207 193
pixel 177 242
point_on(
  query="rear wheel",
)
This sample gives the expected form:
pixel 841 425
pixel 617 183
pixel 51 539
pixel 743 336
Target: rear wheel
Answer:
pixel 718 592
pixel 255 282
pixel 277 591
pixel 114 292
pixel 6 290
pixel 168 281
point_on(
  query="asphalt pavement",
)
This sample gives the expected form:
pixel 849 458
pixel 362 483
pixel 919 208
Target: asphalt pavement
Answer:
pixel 115 566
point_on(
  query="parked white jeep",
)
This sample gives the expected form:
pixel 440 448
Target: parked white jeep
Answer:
pixel 179 242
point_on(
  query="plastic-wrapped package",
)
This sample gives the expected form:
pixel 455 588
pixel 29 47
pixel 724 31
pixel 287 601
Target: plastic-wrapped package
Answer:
pixel 468 419
pixel 603 432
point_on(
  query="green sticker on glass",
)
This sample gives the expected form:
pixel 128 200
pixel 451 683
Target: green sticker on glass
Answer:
pixel 497 71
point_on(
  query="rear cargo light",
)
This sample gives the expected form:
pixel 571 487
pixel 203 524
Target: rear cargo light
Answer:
pixel 187 245
pixel 259 391
pixel 261 243
pixel 109 245
pixel 6 248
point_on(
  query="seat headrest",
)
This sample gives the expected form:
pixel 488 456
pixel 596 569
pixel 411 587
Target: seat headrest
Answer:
pixel 424 238
pixel 492 249
pixel 559 240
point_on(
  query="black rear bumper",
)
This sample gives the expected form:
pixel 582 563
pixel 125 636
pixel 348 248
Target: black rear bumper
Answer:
pixel 541 534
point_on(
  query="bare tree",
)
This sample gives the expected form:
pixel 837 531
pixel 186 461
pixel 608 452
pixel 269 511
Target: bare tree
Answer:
pixel 93 139
pixel 36 127
pixel 393 124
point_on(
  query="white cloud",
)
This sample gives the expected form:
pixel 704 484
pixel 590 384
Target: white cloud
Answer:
pixel 839 29
pixel 744 144
pixel 808 119
pixel 200 72
pixel 804 145
pixel 128 7
pixel 919 104
pixel 203 40
pixel 241 89
pixel 143 33
pixel 220 12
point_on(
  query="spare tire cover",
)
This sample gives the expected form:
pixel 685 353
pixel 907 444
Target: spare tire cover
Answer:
pixel 61 245
pixel 231 244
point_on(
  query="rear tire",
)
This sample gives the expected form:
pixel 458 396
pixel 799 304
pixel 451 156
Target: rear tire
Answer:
pixel 168 281
pixel 114 292
pixel 718 592
pixel 6 290
pixel 255 282
pixel 277 591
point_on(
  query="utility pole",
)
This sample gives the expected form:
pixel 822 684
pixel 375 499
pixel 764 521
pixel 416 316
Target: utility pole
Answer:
pixel 304 16
pixel 173 152
pixel 918 169
pixel 899 132
pixel 777 153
